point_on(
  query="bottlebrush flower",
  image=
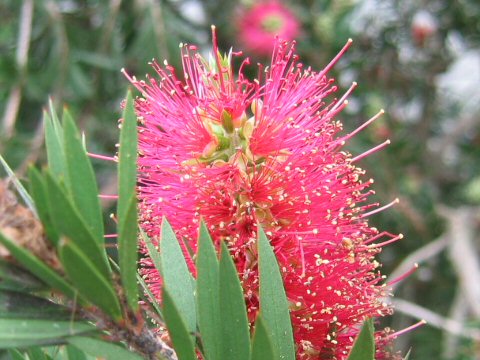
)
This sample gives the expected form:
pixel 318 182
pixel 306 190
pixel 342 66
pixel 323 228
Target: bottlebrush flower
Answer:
pixel 237 153
pixel 259 24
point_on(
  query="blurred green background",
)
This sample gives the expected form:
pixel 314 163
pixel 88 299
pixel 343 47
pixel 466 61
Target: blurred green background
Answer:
pixel 420 60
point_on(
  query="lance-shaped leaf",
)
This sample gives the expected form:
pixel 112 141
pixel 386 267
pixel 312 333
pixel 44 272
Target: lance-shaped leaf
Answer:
pixel 22 333
pixel 16 355
pixel 273 301
pixel 18 185
pixel 15 278
pixel 74 353
pixel 181 337
pixel 68 221
pixel 54 142
pixel 80 179
pixel 37 267
pixel 209 321
pixel 38 190
pixel 127 204
pixel 127 248
pixel 87 279
pixel 262 346
pixel 101 349
pixel 15 305
pixel 176 276
pixel 364 345
pixel 235 337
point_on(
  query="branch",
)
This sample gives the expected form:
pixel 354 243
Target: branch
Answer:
pixel 434 319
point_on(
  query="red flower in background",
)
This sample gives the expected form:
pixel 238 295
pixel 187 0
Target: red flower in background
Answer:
pixel 238 153
pixel 259 24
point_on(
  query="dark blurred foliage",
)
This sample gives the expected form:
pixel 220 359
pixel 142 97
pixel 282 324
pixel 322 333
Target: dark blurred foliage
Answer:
pixel 420 60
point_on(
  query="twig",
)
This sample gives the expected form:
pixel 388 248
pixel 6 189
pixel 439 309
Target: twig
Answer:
pixel 458 312
pixel 462 253
pixel 23 44
pixel 436 320
pixel 419 256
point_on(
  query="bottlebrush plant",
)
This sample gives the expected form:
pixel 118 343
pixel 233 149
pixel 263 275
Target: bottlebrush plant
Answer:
pixel 251 221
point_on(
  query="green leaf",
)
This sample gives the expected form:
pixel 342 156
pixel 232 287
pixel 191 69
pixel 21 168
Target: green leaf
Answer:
pixel 102 349
pixel 208 295
pixel 262 345
pixel 16 355
pixel 16 305
pixel 127 158
pixel 89 282
pixel 80 179
pixel 68 221
pixel 408 355
pixel 74 353
pixel 152 251
pixel 177 328
pixel 15 278
pixel 235 337
pixel 53 142
pixel 128 253
pixel 20 188
pixel 36 353
pixel 364 346
pixel 24 333
pixel 273 301
pixel 177 278
pixel 127 205
pixel 38 190
pixel 37 267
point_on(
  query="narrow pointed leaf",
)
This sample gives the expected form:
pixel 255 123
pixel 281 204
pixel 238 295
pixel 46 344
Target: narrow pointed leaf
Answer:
pixel 127 204
pixel 408 355
pixel 273 301
pixel 89 282
pixel 177 328
pixel 235 337
pixel 68 221
pixel 18 185
pixel 364 345
pixel 15 278
pixel 127 158
pixel 36 353
pixel 15 305
pixel 127 248
pixel 53 142
pixel 209 321
pixel 37 267
pixel 262 345
pixel 38 191
pixel 176 276
pixel 16 355
pixel 73 353
pixel 24 333
pixel 80 179
pixel 102 349
pixel 152 251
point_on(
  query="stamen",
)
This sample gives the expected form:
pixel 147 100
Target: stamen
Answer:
pixel 410 328
pixel 403 276
pixel 102 157
pixel 399 237
pixel 108 236
pixel 108 196
pixel 344 97
pixel 217 56
pixel 364 125
pixel 371 151
pixel 396 201
pixel 337 57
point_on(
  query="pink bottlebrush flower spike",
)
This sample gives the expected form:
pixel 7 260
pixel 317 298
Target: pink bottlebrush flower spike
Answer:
pixel 259 24
pixel 238 153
